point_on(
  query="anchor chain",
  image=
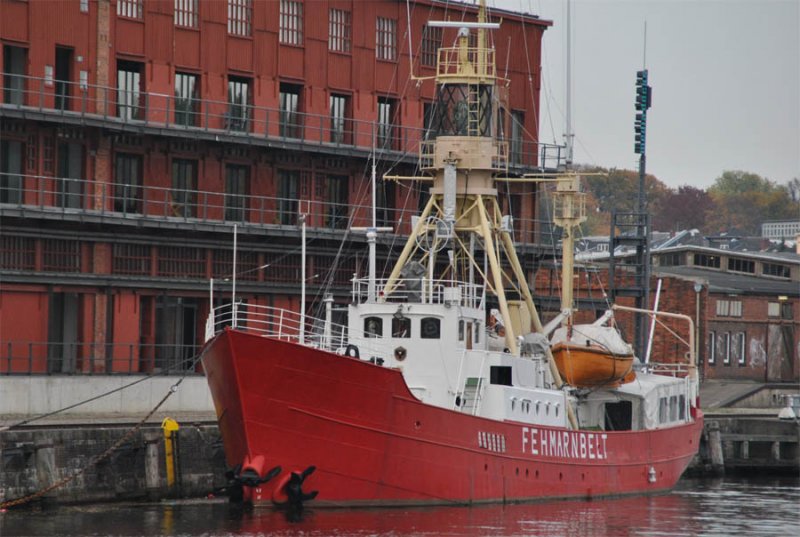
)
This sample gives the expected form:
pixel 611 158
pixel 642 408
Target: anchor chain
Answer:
pixel 96 460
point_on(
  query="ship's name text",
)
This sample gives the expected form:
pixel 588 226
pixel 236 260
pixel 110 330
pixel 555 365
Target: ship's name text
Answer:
pixel 569 444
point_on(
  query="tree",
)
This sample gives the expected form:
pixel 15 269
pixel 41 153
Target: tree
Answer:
pixel 684 208
pixel 743 201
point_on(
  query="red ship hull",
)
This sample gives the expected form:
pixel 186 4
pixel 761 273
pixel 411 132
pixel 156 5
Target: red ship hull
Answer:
pixel 374 443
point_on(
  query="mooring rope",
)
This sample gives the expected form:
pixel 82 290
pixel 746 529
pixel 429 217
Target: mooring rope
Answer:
pixel 96 460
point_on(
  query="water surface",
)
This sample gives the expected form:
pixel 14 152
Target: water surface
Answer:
pixel 724 507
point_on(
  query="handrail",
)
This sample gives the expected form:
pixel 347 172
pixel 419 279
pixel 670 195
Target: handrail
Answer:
pixel 142 108
pixel 283 324
pixel 64 195
pixel 692 343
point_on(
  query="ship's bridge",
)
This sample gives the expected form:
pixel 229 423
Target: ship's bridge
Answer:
pixel 421 291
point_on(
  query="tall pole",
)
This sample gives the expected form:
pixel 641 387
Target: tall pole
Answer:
pixel 568 135
pixel 233 276
pixel 303 279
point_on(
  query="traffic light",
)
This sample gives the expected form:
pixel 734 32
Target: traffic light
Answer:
pixel 643 91
pixel 643 100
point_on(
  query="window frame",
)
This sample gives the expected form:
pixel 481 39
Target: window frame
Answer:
pixel 712 347
pixel 290 23
pixel 186 14
pixel 726 343
pixel 124 161
pixel 379 325
pixel 386 39
pixel 240 18
pixel 340 31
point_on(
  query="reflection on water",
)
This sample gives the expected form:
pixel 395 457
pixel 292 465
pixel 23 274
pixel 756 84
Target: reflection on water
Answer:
pixel 768 506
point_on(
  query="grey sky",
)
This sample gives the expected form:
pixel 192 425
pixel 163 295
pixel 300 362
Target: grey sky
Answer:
pixel 725 77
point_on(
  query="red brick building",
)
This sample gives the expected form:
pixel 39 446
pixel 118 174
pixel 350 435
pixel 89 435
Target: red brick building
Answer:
pixel 136 134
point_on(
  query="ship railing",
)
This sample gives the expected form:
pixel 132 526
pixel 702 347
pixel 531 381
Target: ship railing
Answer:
pixel 421 291
pixel 291 326
pixel 479 62
pixel 673 370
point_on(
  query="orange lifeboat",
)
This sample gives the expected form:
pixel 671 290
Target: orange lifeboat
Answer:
pixel 592 356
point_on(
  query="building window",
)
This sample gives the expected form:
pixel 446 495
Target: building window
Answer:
pixel 726 348
pixel 287 197
pixel 236 179
pixel 340 129
pixel 186 87
pixel 10 171
pixel 240 17
pixel 337 199
pixel 290 119
pixel 130 8
pixel 291 22
pixel 129 89
pixel 386 39
pixel 15 66
pixel 387 112
pixel 238 104
pixel 184 187
pixel 729 308
pixel 517 130
pixel 429 120
pixel 736 264
pixel 128 183
pixel 773 269
pixel 712 348
pixel 186 13
pixel 773 309
pixel 431 43
pixel 339 31
pixel 373 327
pixel 430 328
pixel 705 260
pixel 739 349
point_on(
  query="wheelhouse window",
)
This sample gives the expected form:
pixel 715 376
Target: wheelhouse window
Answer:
pixel 339 119
pixel 339 31
pixel 431 43
pixel 130 8
pixel 128 183
pixel 430 328
pixel 15 66
pixel 186 13
pixel 186 87
pixel 401 327
pixel 290 119
pixel 373 327
pixel 287 197
pixel 240 17
pixel 238 104
pixel 236 179
pixel 291 22
pixel 129 89
pixel 184 187
pixel 386 39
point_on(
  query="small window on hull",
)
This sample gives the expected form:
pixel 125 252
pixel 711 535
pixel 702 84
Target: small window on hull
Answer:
pixel 401 328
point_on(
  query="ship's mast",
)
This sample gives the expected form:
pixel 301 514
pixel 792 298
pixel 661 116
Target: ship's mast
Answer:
pixel 461 163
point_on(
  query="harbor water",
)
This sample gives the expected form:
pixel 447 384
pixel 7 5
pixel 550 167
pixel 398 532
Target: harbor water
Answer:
pixel 752 506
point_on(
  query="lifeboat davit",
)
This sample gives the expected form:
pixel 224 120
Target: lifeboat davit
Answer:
pixel 589 356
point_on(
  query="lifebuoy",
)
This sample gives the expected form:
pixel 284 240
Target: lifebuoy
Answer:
pixel 352 351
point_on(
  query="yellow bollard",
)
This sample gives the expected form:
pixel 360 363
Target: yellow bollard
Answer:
pixel 170 427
